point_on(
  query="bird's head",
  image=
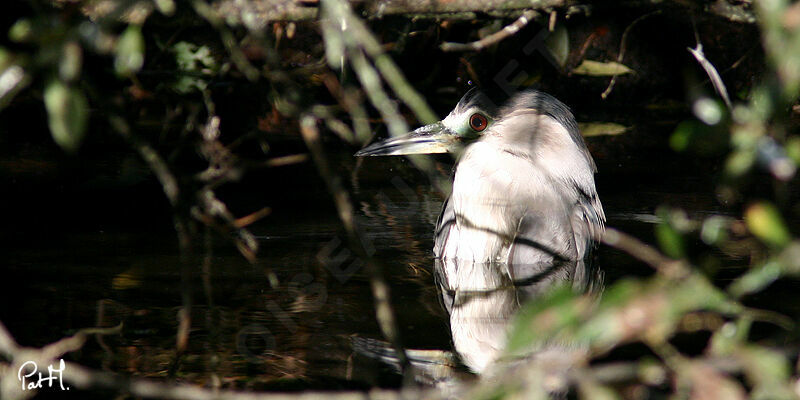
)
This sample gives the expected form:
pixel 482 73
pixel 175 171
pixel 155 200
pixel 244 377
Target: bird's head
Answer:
pixel 471 117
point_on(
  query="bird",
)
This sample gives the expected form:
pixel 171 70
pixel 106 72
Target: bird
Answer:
pixel 523 190
pixel 523 215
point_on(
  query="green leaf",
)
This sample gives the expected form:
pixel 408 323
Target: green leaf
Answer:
pixel 731 336
pixel 700 138
pixel 597 68
pixel 714 229
pixel 557 43
pixel 767 370
pixel 707 382
pixel 129 51
pixel 604 328
pixel 766 223
pixel 709 111
pixel 21 31
pixel 592 390
pixel 166 7
pixel 669 239
pixel 196 61
pixel 739 162
pixel 69 67
pixel 793 148
pixel 682 136
pixel 589 129
pixel 67 112
pixel 632 310
pixel 756 279
pixel 542 318
pixel 13 77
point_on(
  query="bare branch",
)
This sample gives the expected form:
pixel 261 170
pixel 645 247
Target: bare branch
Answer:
pixel 642 252
pixel 622 47
pixel 507 31
pixel 713 75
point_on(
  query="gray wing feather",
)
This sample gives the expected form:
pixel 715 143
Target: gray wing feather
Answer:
pixel 447 220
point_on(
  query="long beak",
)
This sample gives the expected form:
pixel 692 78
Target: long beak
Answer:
pixel 429 139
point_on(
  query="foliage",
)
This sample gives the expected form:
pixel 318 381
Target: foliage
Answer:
pixel 51 53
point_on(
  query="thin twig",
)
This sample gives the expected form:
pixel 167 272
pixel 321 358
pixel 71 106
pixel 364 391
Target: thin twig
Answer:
pixel 713 75
pixel 642 251
pixel 251 218
pixel 622 47
pixel 711 71
pixel 286 160
pixel 350 100
pixel 150 156
pixel 380 289
pixel 507 31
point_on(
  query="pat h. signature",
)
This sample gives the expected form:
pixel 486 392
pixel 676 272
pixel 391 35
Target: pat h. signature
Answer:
pixel 28 372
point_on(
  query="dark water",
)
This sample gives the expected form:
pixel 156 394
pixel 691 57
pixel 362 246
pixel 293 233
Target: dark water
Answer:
pixel 285 321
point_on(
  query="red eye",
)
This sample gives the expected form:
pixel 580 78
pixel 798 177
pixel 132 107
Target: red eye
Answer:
pixel 478 122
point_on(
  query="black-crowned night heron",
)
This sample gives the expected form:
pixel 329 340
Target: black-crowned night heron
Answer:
pixel 522 215
pixel 523 191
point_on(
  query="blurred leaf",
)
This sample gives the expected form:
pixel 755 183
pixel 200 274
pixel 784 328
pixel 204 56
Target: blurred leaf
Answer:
pixel 166 7
pixel 767 370
pixel 772 156
pixel 793 148
pixel 195 62
pixel 762 105
pixel 590 129
pixel 739 162
pixel 761 276
pixel 21 31
pixel 602 329
pixel 332 34
pixel 12 77
pixel 766 223
pixel 129 51
pixel 594 391
pixel 682 136
pixel 650 312
pixel 790 258
pixel 67 112
pixel 541 319
pixel 494 392
pixel 708 383
pixel 709 111
pixel 69 67
pixel 756 279
pixel 130 279
pixel 696 293
pixel 700 138
pixel 557 43
pixel 731 336
pixel 96 37
pixel 714 229
pixel 652 372
pixel 597 68
pixel 669 239
pixel 193 58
